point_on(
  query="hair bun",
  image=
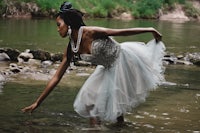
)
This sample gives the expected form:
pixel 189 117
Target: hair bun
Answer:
pixel 65 6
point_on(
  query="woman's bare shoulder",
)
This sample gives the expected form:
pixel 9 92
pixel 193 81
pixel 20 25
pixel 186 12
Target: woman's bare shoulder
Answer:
pixel 94 28
pixel 96 31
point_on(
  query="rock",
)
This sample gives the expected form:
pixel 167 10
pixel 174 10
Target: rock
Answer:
pixel 34 62
pixel 180 57
pixel 12 53
pixel 14 68
pixel 56 57
pixel 4 57
pixel 47 63
pixel 82 63
pixel 41 55
pixel 170 59
pixel 193 57
pixel 184 62
pixel 25 56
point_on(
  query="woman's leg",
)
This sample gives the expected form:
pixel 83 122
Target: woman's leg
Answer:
pixel 93 120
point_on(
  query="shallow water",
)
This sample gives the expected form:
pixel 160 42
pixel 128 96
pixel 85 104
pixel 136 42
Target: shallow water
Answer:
pixel 172 108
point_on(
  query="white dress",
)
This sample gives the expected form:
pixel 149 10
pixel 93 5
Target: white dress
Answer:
pixel 124 75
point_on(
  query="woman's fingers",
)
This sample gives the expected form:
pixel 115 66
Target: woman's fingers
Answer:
pixel 29 108
pixel 157 36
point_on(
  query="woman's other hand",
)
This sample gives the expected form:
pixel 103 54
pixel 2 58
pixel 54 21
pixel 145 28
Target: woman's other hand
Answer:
pixel 157 35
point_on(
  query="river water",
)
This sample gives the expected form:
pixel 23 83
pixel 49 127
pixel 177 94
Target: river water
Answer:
pixel 172 108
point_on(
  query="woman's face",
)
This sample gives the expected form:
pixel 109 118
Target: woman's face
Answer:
pixel 62 27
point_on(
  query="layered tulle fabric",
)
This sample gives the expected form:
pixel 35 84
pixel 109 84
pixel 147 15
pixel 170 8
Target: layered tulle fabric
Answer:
pixel 109 93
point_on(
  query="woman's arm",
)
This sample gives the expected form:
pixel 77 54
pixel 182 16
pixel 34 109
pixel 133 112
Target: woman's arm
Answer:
pixel 99 31
pixel 52 83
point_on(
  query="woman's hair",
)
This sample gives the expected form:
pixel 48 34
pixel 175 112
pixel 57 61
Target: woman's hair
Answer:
pixel 71 16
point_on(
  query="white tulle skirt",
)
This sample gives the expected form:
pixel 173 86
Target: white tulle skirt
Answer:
pixel 109 93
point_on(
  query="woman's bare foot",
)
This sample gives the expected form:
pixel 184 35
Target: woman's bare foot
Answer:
pixel 95 125
pixel 120 120
pixel 95 121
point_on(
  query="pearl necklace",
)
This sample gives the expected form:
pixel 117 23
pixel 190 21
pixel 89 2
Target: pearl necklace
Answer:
pixel 75 48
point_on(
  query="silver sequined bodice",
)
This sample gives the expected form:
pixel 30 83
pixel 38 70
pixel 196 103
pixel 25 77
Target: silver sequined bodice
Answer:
pixel 103 52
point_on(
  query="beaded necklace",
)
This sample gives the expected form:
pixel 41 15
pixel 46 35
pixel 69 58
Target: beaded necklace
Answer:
pixel 75 48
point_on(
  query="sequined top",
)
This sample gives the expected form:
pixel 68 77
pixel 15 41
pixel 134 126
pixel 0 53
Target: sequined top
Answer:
pixel 103 52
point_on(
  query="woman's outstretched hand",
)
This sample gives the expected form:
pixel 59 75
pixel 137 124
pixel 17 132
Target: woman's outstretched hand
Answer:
pixel 30 108
pixel 157 35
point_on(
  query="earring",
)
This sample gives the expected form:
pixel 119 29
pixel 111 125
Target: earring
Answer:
pixel 69 32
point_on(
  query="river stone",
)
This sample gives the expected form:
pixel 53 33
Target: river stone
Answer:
pixel 34 62
pixel 193 57
pixel 12 53
pixel 4 57
pixel 14 68
pixel 46 63
pixel 184 62
pixel 41 55
pixel 24 57
pixel 170 60
pixel 82 63
pixel 56 57
pixel 180 57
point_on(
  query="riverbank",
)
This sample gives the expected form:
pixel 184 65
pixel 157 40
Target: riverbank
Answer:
pixel 185 11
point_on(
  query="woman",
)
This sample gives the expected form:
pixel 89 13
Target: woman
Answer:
pixel 125 72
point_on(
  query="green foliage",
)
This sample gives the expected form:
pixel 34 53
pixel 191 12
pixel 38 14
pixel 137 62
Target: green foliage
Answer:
pixel 171 2
pixel 2 7
pixel 49 4
pixel 99 12
pixel 99 8
pixel 147 8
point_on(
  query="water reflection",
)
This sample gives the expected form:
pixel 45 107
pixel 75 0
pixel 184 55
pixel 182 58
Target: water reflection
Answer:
pixel 42 34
